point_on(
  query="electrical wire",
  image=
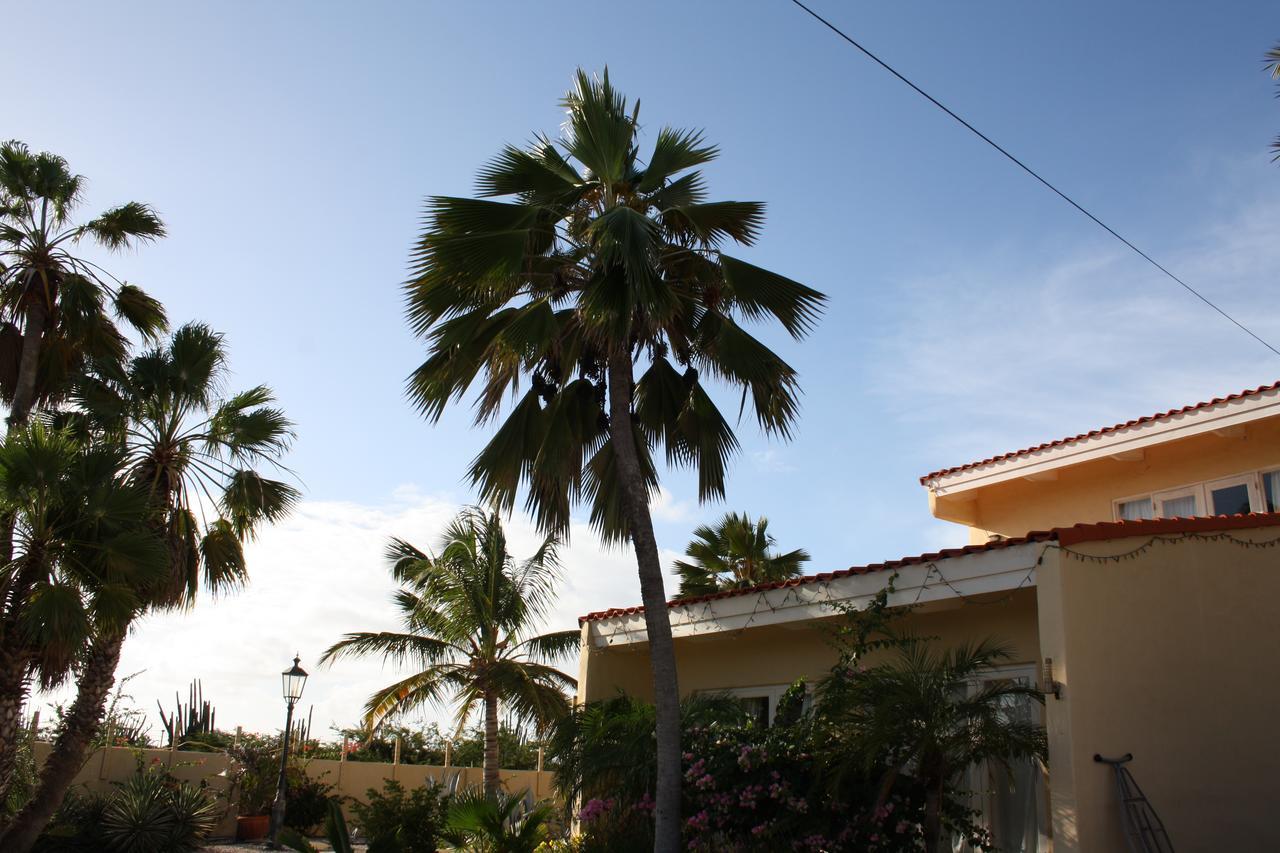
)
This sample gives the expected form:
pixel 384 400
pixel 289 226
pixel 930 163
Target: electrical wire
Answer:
pixel 1033 173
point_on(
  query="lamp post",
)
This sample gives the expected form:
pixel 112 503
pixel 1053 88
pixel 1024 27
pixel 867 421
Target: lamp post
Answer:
pixel 292 680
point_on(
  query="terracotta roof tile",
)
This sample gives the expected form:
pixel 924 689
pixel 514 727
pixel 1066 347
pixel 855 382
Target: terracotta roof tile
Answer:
pixel 1078 533
pixel 1103 431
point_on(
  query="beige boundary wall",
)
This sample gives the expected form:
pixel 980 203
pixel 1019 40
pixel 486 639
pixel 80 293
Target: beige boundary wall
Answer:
pixel 350 779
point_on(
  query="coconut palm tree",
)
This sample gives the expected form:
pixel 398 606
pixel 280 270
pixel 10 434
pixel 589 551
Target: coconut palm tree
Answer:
pixel 467 613
pixel 195 458
pixel 929 713
pixel 58 310
pixel 598 262
pixel 735 553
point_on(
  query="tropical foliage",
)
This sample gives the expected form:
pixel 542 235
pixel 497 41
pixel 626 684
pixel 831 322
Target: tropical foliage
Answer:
pixel 735 552
pixel 497 823
pixel 402 821
pixel 188 466
pixel 467 614
pixel 1272 63
pixel 871 758
pixel 583 262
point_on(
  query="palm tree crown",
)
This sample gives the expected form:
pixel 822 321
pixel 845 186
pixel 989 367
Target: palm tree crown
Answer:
pixel 56 305
pixel 197 454
pixel 467 614
pixel 736 552
pixel 596 255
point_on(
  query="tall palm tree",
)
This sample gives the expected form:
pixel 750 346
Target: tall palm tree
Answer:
pixel 467 613
pixel 929 713
pixel 55 303
pixel 80 531
pixel 195 458
pixel 598 262
pixel 736 552
pixel 56 313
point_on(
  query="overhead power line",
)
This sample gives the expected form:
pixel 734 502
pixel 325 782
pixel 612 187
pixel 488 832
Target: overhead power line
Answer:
pixel 1033 173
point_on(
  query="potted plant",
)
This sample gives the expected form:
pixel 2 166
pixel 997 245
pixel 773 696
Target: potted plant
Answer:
pixel 254 774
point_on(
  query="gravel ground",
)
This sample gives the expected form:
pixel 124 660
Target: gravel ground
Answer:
pixel 234 847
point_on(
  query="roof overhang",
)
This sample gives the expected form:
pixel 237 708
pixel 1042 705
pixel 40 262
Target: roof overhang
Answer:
pixel 945 578
pixel 1123 442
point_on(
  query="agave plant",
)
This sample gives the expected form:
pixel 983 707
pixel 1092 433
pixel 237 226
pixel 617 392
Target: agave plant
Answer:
pixel 149 815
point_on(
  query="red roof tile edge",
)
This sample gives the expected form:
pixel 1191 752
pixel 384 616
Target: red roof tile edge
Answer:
pixel 1066 536
pixel 1216 401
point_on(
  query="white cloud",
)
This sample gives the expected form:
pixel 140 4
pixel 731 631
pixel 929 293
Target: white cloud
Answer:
pixel 314 577
pixel 771 461
pixel 997 354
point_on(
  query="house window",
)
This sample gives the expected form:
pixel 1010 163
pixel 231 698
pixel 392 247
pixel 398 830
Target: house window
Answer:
pixel 1232 497
pixel 1271 490
pixel 1243 493
pixel 760 703
pixel 1134 510
pixel 1180 504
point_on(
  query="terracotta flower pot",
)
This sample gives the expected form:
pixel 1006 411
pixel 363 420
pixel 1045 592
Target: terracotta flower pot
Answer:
pixel 252 827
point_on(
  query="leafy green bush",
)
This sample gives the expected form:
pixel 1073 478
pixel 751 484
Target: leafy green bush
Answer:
pixel 76 826
pixel 399 821
pixel 307 802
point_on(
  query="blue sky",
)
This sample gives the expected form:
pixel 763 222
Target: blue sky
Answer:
pixel 289 147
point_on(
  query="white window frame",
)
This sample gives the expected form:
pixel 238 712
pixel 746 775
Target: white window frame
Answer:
pixel 1251 482
pixel 1262 489
pixel 772 692
pixel 1201 491
pixel 1196 492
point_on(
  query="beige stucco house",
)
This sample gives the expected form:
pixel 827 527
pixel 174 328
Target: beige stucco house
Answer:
pixel 1132 567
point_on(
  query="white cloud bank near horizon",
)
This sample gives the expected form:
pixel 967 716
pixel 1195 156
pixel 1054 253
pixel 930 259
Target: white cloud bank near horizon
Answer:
pixel 314 577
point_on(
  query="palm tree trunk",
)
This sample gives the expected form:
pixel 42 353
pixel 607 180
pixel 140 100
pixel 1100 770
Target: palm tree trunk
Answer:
pixel 490 745
pixel 13 682
pixel 13 693
pixel 932 817
pixel 68 755
pixel 28 367
pixel 657 620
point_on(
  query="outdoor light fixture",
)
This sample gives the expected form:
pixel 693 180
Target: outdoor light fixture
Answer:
pixel 1048 685
pixel 292 681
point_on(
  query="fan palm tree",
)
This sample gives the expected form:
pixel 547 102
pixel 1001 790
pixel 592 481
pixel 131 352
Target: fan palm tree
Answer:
pixel 55 303
pixel 194 456
pixel 930 713
pixel 467 613
pixel 56 313
pixel 736 552
pixel 82 543
pixel 596 263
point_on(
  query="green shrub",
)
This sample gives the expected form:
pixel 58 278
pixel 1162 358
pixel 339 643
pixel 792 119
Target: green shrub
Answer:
pixel 76 827
pixel 150 814
pixel 399 821
pixel 307 802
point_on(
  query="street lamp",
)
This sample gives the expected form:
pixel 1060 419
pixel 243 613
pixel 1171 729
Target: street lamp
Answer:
pixel 292 680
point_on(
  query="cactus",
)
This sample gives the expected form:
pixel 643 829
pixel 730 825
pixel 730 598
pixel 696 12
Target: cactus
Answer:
pixel 194 718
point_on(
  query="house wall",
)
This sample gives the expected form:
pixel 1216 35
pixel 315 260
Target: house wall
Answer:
pixel 1084 492
pixel 773 655
pixel 1170 655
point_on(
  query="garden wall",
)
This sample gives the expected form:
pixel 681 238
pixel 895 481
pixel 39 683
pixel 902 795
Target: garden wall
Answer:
pixel 350 779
